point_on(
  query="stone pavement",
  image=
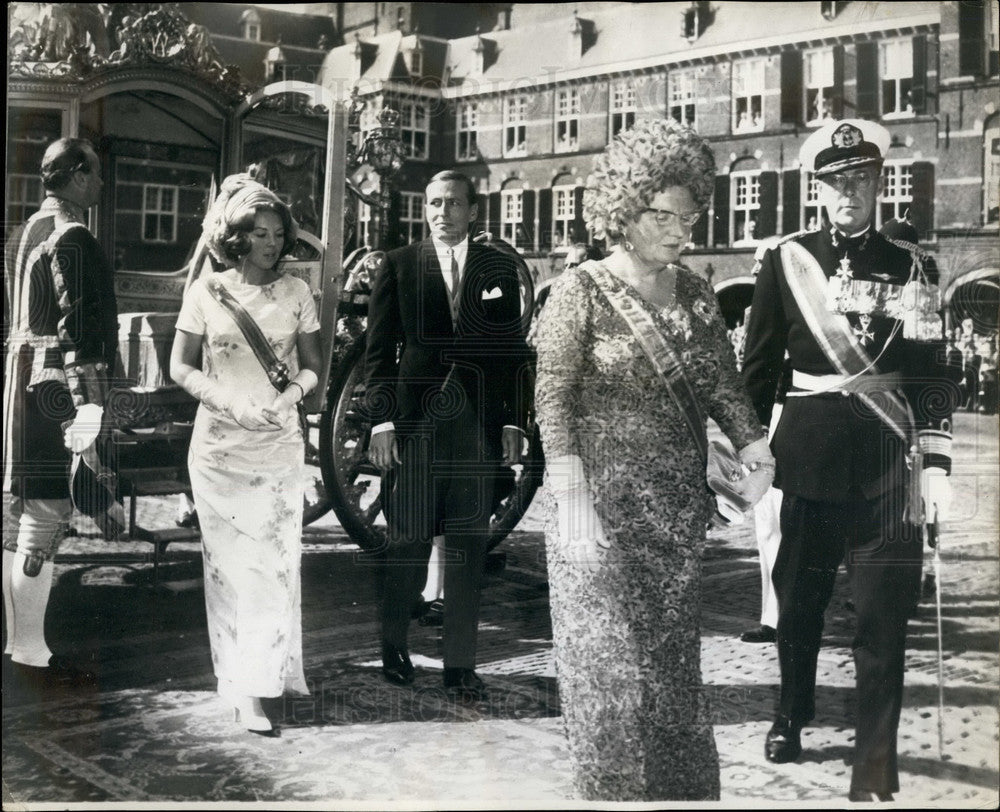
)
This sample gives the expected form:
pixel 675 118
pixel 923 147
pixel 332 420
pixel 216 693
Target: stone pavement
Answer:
pixel 154 731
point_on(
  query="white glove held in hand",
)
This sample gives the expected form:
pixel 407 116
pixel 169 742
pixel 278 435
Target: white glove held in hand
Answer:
pixel 935 486
pixel 244 411
pixel 581 535
pixel 82 432
pixel 755 483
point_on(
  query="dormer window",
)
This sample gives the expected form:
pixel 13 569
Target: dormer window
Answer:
pixel 417 60
pixel 251 25
pixel 696 20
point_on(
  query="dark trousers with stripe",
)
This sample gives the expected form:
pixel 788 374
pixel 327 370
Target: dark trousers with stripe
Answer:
pixel 883 556
pixel 444 484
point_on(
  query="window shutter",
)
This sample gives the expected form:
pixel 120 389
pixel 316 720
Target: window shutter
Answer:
pixel 838 82
pixel 482 202
pixel 922 206
pixel 721 205
pixel 971 39
pixel 494 218
pixel 867 103
pixel 579 224
pixel 767 214
pixel 527 220
pixel 790 219
pixel 699 234
pixel 545 219
pixel 791 87
pixel 918 87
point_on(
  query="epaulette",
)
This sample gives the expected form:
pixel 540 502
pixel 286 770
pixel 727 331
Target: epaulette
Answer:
pixel 765 245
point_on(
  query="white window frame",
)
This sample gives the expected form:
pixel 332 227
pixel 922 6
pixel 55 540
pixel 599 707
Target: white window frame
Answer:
pixel 623 107
pixel 364 224
pixel 467 131
pixel 749 84
pixel 563 215
pixel 411 216
pixel 811 206
pixel 897 189
pixel 414 121
pixel 991 174
pixel 21 204
pixel 158 211
pixel 895 61
pixel 515 121
pixel 567 120
pixel 818 81
pixel 681 94
pixel 745 197
pixel 511 214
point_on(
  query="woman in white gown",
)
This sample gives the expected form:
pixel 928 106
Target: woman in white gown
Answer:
pixel 247 452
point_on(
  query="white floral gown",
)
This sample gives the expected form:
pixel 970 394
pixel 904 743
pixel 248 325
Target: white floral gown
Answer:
pixel 248 488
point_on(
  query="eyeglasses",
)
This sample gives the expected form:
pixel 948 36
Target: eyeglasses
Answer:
pixel 843 182
pixel 664 216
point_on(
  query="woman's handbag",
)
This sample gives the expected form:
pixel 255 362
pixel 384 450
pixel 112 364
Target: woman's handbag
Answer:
pixel 274 367
pixel 722 467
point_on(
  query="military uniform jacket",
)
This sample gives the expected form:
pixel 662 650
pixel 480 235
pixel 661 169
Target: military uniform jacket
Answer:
pixel 830 446
pixel 45 336
pixel 414 348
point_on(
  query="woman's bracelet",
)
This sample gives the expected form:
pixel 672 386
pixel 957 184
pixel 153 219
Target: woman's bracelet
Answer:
pixel 753 465
pixel 301 389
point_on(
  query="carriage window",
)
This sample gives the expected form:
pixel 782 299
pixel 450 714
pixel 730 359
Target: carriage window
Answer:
pixel 24 196
pixel 159 213
pixel 29 132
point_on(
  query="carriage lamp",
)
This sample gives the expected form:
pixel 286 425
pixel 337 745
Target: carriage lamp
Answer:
pixel 383 150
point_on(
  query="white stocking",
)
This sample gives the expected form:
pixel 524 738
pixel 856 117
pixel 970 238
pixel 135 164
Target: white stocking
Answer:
pixel 29 597
pixel 8 599
pixel 435 571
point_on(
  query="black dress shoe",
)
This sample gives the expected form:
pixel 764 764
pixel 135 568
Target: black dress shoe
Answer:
pixel 59 673
pixel 396 666
pixel 434 616
pixel 464 684
pixel 867 796
pixel 782 744
pixel 762 634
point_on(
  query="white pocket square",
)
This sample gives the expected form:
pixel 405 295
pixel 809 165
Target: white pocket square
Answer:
pixel 496 293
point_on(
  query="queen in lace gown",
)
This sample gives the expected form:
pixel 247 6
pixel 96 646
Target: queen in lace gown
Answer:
pixel 627 634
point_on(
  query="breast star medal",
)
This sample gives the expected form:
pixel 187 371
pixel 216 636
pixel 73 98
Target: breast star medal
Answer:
pixel 863 330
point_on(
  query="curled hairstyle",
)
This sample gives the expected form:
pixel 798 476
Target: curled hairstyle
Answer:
pixel 230 219
pixel 640 163
pixel 62 158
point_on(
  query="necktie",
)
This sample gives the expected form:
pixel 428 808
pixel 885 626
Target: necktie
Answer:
pixel 453 270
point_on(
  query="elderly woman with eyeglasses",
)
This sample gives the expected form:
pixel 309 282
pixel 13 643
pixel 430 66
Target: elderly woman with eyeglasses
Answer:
pixel 632 358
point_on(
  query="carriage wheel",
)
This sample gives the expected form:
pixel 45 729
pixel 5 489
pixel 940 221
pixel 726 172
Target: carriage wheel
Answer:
pixel 353 483
pixel 315 501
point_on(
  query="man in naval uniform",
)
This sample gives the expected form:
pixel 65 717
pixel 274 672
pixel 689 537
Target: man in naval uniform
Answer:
pixel 858 319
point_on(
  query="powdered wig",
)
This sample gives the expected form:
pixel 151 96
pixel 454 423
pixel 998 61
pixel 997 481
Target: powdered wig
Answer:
pixel 230 219
pixel 639 164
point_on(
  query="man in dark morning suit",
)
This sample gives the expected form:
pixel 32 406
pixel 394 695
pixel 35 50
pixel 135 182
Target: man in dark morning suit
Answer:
pixel 869 392
pixel 445 372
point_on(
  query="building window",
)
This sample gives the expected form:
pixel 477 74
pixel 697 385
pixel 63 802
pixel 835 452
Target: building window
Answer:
pixel 515 117
pixel 748 96
pixel 897 191
pixel 567 120
pixel 467 125
pixel 622 105
pixel 364 224
pixel 746 204
pixel 812 211
pixel 896 70
pixel 416 61
pixel 414 124
pixel 511 212
pixel 681 95
pixel 24 197
pixel 991 167
pixel 159 213
pixel 411 216
pixel 819 85
pixel 563 215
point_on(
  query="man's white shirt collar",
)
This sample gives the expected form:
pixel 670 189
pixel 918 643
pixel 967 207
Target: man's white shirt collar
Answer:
pixel 460 250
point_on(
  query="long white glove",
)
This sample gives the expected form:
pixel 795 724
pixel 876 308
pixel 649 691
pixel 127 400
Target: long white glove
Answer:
pixel 759 464
pixel 581 535
pixel 82 432
pixel 241 409
pixel 301 385
pixel 935 486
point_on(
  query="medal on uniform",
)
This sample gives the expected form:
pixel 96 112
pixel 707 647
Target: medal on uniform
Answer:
pixel 863 330
pixel 844 271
